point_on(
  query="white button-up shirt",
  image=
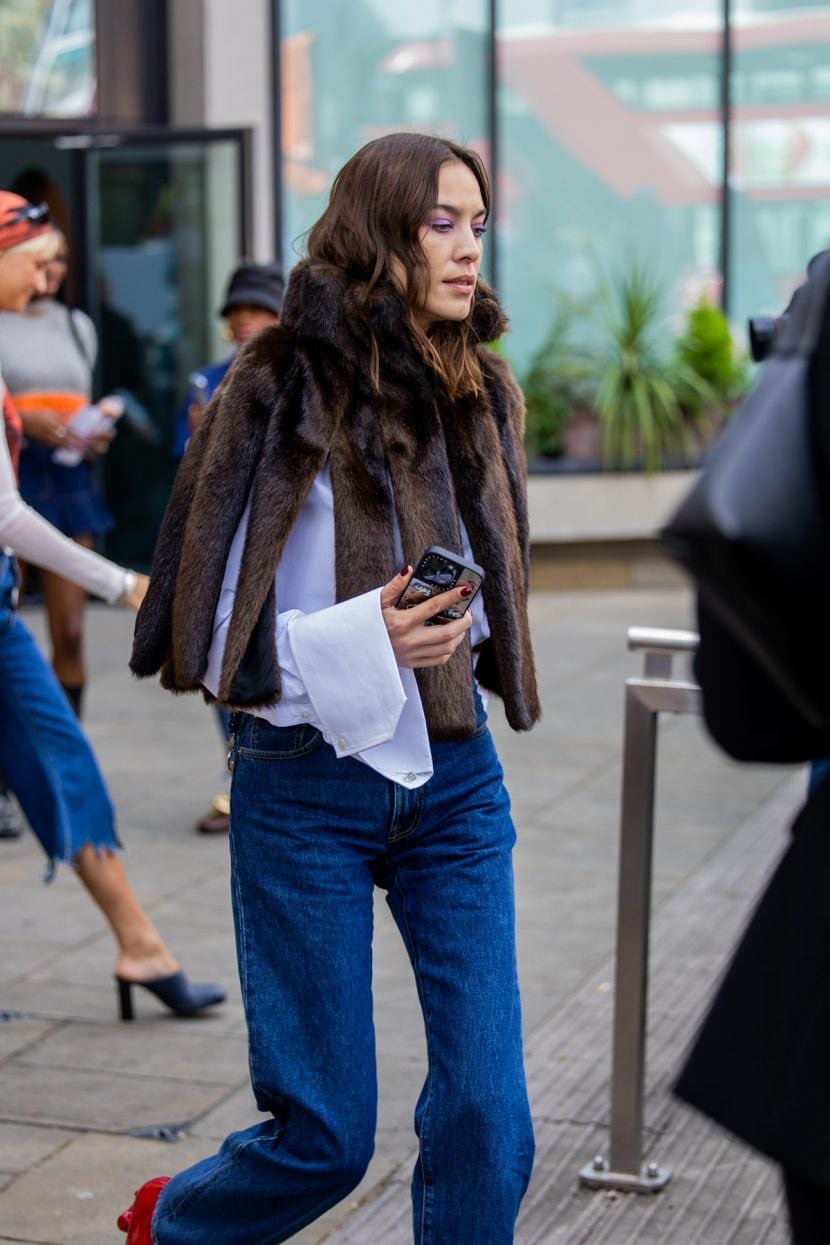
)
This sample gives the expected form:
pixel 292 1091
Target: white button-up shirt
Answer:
pixel 337 666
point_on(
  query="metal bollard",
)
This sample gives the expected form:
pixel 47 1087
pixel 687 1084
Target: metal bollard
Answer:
pixel 655 692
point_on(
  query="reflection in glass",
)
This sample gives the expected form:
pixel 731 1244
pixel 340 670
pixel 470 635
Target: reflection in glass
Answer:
pixel 355 69
pixel 610 152
pixel 168 236
pixel 780 177
pixel 47 57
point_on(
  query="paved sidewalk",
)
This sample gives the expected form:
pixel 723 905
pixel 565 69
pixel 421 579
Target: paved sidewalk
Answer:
pixel 89 1107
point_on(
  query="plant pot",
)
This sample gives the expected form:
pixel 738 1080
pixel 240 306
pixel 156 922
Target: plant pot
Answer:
pixel 581 435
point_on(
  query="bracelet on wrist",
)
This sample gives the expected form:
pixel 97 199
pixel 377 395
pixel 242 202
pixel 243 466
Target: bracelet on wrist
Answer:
pixel 130 581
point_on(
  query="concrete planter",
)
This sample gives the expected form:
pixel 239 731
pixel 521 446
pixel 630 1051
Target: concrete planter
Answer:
pixel 600 529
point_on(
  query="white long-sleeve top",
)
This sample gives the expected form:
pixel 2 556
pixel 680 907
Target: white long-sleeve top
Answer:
pixel 24 532
pixel 337 666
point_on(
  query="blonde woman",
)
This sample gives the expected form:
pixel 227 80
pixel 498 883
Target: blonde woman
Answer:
pixel 45 757
pixel 47 355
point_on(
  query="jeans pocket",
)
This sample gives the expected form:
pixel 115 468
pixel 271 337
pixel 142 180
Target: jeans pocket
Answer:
pixel 262 741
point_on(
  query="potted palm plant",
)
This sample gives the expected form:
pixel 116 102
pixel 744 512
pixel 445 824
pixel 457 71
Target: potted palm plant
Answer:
pixel 611 384
pixel 558 384
pixel 640 379
pixel 707 347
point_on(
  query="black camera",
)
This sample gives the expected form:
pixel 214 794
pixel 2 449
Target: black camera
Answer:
pixel 763 331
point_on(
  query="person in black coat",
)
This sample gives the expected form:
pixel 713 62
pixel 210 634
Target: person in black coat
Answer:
pixel 759 1065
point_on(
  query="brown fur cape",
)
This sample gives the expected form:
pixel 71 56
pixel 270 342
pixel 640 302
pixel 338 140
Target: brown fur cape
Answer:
pixel 300 394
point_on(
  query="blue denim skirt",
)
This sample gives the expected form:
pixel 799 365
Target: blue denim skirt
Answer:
pixel 45 758
pixel 68 497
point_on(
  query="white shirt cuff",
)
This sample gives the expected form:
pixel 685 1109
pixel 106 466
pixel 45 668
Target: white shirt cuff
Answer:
pixel 346 662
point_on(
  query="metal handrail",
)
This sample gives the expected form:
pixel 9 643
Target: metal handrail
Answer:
pixel 655 692
pixel 658 640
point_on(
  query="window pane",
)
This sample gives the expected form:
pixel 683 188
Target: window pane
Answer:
pixel 47 57
pixel 166 237
pixel 780 151
pixel 610 151
pixel 355 69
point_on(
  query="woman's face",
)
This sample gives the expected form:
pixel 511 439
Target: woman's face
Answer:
pixel 245 320
pixel 452 240
pixel 22 276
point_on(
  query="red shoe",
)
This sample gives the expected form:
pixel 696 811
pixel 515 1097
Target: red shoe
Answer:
pixel 136 1221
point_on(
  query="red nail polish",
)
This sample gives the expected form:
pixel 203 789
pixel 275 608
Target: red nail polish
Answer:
pixel 404 570
pixel 465 590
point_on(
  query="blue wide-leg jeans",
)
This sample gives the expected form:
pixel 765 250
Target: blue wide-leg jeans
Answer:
pixel 311 835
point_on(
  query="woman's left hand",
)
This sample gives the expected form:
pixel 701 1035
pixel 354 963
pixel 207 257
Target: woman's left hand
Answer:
pixel 113 407
pixel 96 446
pixel 415 644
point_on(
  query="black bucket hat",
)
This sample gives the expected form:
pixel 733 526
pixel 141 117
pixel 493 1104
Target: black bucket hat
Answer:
pixel 255 285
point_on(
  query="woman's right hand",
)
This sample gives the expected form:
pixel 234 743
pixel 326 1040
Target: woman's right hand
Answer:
pixel 50 429
pixel 414 644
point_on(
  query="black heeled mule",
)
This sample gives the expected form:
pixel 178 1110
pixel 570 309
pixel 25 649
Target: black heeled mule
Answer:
pixel 176 992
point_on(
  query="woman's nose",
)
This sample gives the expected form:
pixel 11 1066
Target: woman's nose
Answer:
pixel 469 244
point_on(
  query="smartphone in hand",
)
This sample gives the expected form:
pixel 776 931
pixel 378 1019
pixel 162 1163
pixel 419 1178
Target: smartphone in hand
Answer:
pixel 438 571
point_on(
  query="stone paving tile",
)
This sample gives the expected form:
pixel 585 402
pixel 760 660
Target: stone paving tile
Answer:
pixel 75 1196
pixel 107 1102
pixel 42 911
pixel 22 957
pixel 237 1111
pixel 202 1055
pixel 22 1146
pixel 18 1036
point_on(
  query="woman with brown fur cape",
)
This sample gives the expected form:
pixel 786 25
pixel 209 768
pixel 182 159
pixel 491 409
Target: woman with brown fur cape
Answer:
pixel 372 423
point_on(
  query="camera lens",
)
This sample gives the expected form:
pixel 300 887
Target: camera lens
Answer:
pixel 762 333
pixel 440 577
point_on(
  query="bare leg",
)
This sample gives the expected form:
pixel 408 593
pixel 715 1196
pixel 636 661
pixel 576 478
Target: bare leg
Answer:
pixel 142 955
pixel 65 605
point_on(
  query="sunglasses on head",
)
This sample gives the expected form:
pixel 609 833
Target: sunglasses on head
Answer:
pixel 35 213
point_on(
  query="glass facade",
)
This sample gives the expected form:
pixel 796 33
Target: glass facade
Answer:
pixel 780 150
pixel 609 129
pixel 165 228
pixel 155 225
pixel 607 122
pixel 47 58
pixel 354 69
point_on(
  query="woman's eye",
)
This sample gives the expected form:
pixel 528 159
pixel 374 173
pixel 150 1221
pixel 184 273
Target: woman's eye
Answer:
pixel 479 230
pixel 441 226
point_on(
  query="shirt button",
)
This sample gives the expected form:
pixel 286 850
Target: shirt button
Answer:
pixel 304 716
pixel 341 743
pixel 411 777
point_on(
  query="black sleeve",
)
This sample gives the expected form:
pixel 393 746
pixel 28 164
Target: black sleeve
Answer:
pixel 744 711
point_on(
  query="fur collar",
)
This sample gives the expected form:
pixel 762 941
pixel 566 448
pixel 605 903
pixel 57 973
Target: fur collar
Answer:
pixel 323 308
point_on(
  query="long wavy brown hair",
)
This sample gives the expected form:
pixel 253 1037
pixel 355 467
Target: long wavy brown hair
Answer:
pixel 378 203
